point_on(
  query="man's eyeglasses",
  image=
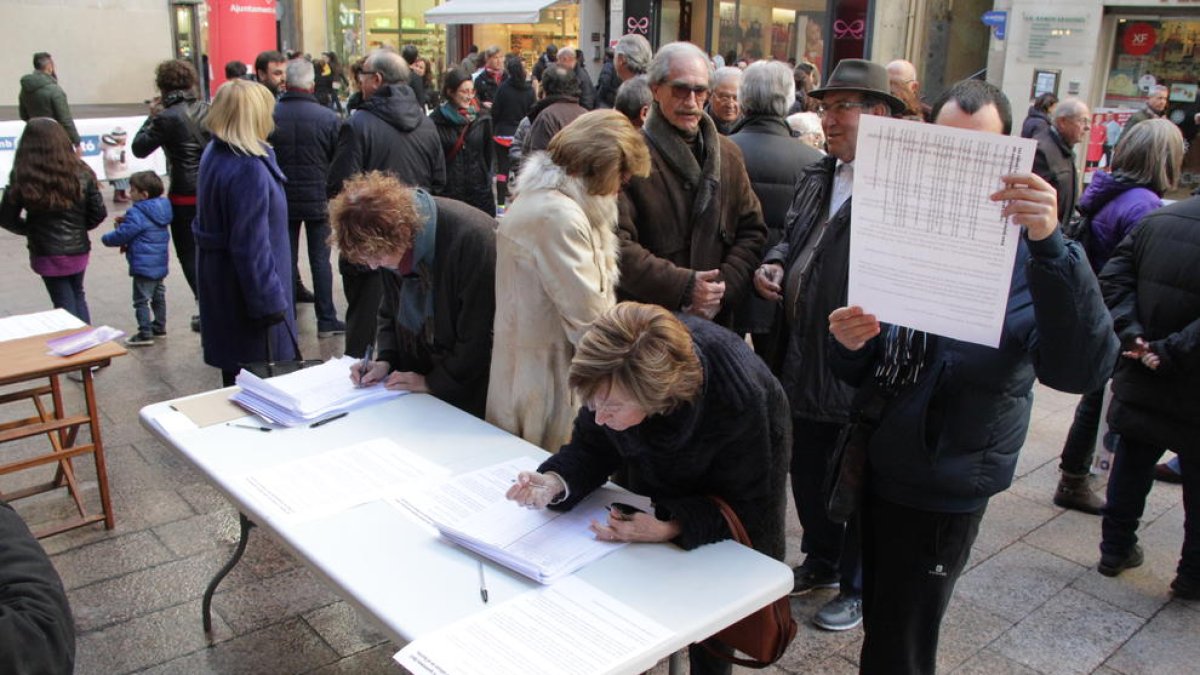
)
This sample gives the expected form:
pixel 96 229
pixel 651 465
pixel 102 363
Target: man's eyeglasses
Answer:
pixel 725 97
pixel 682 90
pixel 842 107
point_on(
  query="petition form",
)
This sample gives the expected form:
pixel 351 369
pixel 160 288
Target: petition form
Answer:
pixel 928 249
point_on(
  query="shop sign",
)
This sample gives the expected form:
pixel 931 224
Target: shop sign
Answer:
pixel 638 19
pixel 238 30
pixel 1139 39
pixel 1057 38
pixel 997 20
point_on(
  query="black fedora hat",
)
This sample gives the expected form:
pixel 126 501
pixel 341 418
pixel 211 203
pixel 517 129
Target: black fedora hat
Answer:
pixel 860 76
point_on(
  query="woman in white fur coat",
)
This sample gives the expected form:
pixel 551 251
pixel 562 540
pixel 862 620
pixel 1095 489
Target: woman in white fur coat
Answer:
pixel 556 271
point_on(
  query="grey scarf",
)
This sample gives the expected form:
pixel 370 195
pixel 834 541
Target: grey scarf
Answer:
pixel 705 182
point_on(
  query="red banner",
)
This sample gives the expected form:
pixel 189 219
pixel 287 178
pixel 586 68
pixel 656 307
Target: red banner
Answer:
pixel 237 31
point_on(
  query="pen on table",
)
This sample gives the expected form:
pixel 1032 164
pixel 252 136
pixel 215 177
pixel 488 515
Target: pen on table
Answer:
pixel 327 420
pixel 482 584
pixel 249 426
pixel 365 365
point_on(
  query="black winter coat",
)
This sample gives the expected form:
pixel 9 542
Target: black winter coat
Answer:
pixel 179 130
pixel 512 104
pixel 607 86
pixel 37 633
pixel 61 232
pixel 454 351
pixel 1152 288
pixel 950 441
pixel 1055 162
pixel 486 87
pixel 774 160
pixel 587 90
pixel 801 360
pixel 734 442
pixel 469 171
pixel 390 133
pixel 305 139
pixel 1035 121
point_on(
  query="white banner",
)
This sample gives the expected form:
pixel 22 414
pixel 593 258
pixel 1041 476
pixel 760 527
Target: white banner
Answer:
pixel 90 131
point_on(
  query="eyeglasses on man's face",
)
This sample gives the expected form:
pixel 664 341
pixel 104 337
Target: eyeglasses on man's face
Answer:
pixel 682 90
pixel 842 107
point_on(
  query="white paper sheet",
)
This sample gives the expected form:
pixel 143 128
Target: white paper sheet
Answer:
pixel 570 628
pixel 331 482
pixel 39 323
pixel 928 249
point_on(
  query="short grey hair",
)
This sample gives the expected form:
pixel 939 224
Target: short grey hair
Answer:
pixel 567 49
pixel 633 95
pixel 636 52
pixel 1150 154
pixel 808 125
pixel 491 51
pixel 767 89
pixel 390 66
pixel 724 73
pixel 660 65
pixel 1158 89
pixel 300 74
pixel 1069 107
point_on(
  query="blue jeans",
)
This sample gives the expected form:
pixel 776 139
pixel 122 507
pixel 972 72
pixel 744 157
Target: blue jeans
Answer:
pixel 150 295
pixel 317 235
pixel 67 293
pixel 1128 484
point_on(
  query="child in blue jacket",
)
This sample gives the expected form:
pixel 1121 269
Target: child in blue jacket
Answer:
pixel 143 234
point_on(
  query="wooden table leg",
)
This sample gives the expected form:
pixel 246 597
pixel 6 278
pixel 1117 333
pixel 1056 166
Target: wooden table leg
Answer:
pixel 89 392
pixel 206 603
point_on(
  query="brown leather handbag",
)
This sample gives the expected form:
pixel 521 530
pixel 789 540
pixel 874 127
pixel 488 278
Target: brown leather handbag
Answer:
pixel 764 635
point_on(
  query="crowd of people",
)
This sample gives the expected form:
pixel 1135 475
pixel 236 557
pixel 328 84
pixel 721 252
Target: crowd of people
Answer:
pixel 659 291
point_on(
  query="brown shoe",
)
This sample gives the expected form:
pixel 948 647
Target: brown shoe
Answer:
pixel 1074 492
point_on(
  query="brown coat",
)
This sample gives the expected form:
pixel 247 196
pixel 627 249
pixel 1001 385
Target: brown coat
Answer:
pixel 664 241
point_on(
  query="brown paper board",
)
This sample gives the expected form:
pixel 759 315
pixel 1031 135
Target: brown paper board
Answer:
pixel 210 409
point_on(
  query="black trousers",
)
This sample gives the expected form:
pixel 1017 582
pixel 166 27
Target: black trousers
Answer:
pixel 1080 445
pixel 911 561
pixel 363 288
pixel 184 241
pixel 824 542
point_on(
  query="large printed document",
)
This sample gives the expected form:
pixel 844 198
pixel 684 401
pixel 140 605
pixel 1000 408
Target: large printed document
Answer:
pixel 337 480
pixel 928 249
pixel 544 545
pixel 570 628
pixel 38 323
pixel 307 395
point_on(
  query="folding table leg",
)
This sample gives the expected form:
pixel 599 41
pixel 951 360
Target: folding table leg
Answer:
pixel 206 604
pixel 675 663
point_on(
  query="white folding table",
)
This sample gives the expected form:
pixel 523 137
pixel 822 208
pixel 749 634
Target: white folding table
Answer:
pixel 410 581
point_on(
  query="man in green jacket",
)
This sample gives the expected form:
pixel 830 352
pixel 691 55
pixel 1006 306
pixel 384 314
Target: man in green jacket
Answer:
pixel 42 97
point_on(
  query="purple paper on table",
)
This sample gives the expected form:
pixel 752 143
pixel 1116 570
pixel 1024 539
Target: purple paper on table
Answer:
pixel 78 342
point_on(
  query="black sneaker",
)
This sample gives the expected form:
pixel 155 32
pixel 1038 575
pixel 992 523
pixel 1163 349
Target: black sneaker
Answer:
pixel 139 340
pixel 159 332
pixel 808 578
pixel 841 613
pixel 331 329
pixel 195 323
pixel 1185 589
pixel 1112 564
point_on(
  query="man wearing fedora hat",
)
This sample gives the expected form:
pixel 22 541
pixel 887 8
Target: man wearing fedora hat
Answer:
pixel 807 272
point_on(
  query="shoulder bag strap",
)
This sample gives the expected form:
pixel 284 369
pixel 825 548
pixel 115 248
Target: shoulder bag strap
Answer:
pixel 731 519
pixel 458 145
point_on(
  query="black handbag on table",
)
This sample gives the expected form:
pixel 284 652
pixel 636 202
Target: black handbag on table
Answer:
pixel 271 367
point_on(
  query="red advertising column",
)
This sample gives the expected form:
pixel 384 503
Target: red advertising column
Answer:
pixel 237 31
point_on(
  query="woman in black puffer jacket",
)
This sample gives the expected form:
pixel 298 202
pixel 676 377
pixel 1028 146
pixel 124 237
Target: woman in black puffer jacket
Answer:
pixel 176 124
pixel 466 133
pixel 53 200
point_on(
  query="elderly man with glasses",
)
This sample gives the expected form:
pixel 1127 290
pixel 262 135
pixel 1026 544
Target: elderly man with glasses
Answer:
pixel 1055 158
pixel 692 231
pixel 807 272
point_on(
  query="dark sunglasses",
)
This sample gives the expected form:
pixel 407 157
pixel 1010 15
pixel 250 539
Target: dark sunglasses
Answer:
pixel 681 90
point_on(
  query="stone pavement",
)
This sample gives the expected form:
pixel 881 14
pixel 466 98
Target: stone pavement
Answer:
pixel 1031 601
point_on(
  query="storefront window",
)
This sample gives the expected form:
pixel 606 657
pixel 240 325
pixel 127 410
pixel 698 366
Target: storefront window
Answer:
pixel 358 26
pixel 1150 52
pixel 557 24
pixel 756 29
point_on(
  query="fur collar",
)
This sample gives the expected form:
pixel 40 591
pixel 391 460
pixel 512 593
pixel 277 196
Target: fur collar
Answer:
pixel 703 180
pixel 539 173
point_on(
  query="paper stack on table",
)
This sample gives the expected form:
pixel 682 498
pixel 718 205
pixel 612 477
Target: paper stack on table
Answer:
pixel 307 395
pixel 544 545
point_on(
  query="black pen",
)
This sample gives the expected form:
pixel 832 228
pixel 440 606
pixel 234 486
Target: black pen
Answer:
pixel 482 584
pixel 327 420
pixel 249 426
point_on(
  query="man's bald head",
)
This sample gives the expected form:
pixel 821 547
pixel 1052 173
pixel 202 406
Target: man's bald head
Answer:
pixel 904 72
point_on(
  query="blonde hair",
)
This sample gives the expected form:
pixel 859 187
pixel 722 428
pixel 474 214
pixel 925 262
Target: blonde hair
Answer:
pixel 241 115
pixel 599 148
pixel 642 349
pixel 373 216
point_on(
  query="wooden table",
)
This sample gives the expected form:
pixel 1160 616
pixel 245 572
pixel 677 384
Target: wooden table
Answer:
pixel 25 361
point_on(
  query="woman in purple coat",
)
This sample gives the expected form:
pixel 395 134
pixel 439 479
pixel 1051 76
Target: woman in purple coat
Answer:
pixel 1146 163
pixel 243 258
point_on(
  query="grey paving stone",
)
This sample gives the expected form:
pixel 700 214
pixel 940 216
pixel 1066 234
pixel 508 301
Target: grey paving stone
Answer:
pixel 812 644
pixel 1043 443
pixel 263 602
pixel 374 661
pixel 1017 580
pixel 344 629
pixel 204 498
pixel 146 641
pixel 1071 633
pixel 1038 485
pixel 1008 518
pixel 966 629
pixel 266 558
pixel 115 600
pixel 287 647
pixel 200 533
pixel 989 662
pixel 110 558
pixel 1166 644
pixel 1071 535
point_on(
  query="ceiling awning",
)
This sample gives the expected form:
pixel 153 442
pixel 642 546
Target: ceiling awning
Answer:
pixel 487 11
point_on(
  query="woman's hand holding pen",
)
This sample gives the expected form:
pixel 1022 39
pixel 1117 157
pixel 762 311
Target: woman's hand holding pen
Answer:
pixel 535 490
pixel 639 527
pixel 364 375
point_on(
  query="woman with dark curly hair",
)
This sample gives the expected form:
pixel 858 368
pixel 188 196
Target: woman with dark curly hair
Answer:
pixel 53 200
pixel 466 133
pixel 176 124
